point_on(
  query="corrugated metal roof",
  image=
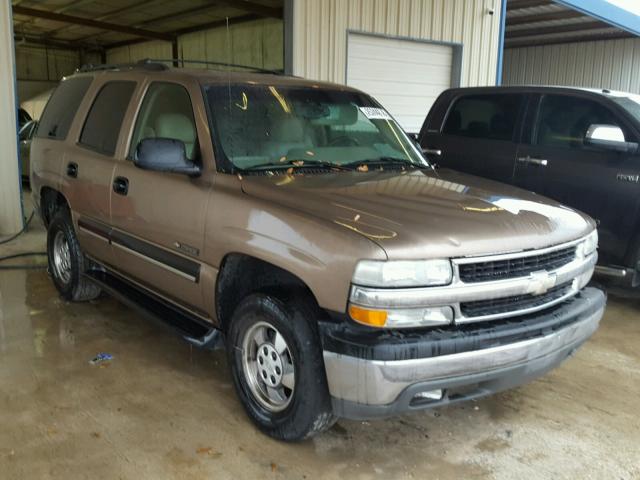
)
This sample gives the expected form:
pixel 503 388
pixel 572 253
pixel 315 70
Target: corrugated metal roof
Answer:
pixel 64 22
pixel 542 22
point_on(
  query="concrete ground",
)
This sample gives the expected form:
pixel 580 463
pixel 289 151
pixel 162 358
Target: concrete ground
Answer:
pixel 161 409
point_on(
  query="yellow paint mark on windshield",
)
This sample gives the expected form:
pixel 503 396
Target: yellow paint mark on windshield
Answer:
pixel 245 102
pixel 283 103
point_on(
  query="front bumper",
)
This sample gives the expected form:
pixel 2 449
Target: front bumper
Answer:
pixel 377 374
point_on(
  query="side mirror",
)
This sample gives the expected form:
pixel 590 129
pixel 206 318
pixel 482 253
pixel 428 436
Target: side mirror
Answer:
pixel 164 155
pixel 609 137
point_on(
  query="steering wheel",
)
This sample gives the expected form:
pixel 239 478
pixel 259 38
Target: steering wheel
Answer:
pixel 344 141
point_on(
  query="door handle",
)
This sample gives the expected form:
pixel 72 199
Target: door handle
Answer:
pixel 541 162
pixel 432 151
pixel 72 170
pixel 121 185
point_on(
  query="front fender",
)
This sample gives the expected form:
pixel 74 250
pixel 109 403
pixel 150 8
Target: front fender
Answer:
pixel 321 254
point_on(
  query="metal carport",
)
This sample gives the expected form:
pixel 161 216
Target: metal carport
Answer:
pixel 587 43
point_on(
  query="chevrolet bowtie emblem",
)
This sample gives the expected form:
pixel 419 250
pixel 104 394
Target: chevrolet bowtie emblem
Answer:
pixel 541 282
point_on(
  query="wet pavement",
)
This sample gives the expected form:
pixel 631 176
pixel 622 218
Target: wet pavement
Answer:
pixel 161 409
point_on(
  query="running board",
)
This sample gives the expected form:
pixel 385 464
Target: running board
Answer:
pixel 193 329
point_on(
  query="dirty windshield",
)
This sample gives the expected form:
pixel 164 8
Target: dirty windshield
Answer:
pixel 261 127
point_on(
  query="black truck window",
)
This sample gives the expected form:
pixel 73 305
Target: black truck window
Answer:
pixel 484 116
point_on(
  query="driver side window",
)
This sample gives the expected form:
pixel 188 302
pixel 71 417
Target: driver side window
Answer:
pixel 166 112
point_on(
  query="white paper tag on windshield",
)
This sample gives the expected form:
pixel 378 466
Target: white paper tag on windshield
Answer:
pixel 373 113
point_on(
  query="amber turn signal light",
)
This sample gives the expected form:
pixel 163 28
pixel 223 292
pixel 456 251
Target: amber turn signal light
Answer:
pixel 374 318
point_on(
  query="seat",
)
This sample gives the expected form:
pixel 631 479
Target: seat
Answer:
pixel 288 134
pixel 500 127
pixel 178 127
pixel 478 129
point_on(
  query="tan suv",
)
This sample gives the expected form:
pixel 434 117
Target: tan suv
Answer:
pixel 296 221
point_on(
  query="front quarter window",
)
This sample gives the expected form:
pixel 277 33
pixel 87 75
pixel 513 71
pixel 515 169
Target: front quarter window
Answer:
pixel 263 126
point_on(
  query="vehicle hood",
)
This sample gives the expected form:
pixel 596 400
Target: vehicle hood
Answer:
pixel 426 214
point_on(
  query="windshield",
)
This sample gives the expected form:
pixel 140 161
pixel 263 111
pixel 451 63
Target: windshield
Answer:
pixel 261 126
pixel 630 102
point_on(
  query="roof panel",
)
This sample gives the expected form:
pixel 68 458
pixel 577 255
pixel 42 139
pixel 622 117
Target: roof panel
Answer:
pixel 557 23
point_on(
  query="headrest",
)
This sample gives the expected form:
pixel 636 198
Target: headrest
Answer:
pixel 289 129
pixel 340 114
pixel 176 126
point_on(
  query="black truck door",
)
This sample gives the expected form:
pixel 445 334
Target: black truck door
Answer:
pixel 478 134
pixel 559 163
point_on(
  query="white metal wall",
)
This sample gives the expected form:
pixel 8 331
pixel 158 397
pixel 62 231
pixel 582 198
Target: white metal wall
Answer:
pixel 258 43
pixel 10 200
pixel 320 32
pixel 406 76
pixel 612 64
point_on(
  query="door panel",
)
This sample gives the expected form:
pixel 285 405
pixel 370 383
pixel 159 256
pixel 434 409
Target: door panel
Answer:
pixel 559 165
pixel 158 218
pixel 158 231
pixel 478 136
pixel 89 167
pixel 89 194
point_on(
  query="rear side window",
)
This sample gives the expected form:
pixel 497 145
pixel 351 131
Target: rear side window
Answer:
pixel 484 116
pixel 102 126
pixel 62 107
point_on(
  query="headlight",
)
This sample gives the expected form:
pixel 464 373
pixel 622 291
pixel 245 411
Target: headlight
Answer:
pixel 589 244
pixel 402 273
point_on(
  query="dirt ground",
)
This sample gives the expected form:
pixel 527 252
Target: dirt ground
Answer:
pixel 161 409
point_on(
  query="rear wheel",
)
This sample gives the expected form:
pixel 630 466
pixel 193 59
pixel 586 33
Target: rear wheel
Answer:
pixel 67 263
pixel 277 367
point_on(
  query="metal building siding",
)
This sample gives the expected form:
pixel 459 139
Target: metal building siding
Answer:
pixel 139 51
pixel 612 64
pixel 258 43
pixel 320 32
pixel 36 63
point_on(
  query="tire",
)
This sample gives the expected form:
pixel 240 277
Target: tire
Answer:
pixel 292 414
pixel 66 261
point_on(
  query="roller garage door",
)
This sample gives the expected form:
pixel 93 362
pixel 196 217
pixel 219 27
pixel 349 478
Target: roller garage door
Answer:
pixel 405 76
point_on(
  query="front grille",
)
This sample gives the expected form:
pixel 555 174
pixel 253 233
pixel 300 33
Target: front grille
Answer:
pixel 496 306
pixel 515 267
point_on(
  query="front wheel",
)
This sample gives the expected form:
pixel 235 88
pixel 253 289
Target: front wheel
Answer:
pixel 277 367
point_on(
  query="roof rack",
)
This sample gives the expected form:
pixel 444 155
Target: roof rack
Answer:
pixel 159 64
pixel 179 62
pixel 142 64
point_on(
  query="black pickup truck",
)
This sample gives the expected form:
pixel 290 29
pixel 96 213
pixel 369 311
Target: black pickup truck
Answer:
pixel 577 146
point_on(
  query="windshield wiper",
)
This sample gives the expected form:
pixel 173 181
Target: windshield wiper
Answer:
pixel 385 161
pixel 306 163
